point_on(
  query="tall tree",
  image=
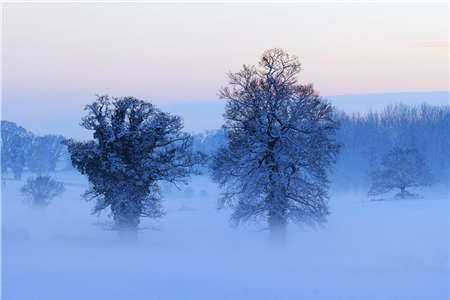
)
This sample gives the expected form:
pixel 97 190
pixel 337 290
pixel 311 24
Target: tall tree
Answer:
pixel 280 145
pixel 401 168
pixel 135 146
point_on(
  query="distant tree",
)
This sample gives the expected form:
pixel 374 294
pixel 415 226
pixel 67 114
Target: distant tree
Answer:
pixel 45 151
pixel 66 162
pixel 209 141
pixel 135 146
pixel 401 168
pixel 41 189
pixel 280 144
pixel 15 142
pixel 366 136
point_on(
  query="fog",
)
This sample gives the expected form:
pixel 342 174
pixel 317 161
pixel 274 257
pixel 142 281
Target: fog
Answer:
pixel 367 250
pixel 372 248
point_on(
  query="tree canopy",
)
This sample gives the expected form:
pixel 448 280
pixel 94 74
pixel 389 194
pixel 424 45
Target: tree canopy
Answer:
pixel 134 146
pixel 280 144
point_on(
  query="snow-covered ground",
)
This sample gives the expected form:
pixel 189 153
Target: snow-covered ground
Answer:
pixel 367 250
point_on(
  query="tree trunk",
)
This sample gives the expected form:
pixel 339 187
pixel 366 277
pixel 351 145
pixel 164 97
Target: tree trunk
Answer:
pixel 277 227
pixel 404 193
pixel 126 221
pixel 39 202
pixel 277 207
pixel 126 211
pixel 127 234
pixel 17 175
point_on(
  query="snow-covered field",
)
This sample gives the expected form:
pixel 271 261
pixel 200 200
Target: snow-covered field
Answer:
pixel 367 250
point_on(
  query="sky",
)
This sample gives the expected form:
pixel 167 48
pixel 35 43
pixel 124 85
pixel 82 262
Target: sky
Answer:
pixel 57 57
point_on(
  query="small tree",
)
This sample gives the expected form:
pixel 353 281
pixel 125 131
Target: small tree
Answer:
pixel 41 190
pixel 400 169
pixel 280 144
pixel 15 143
pixel 135 146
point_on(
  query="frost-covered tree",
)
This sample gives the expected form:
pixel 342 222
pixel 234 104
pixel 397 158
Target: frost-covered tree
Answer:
pixel 44 153
pixel 15 142
pixel 135 146
pixel 280 144
pixel 41 189
pixel 401 168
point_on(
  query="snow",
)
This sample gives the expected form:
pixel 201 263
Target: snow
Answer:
pixel 367 250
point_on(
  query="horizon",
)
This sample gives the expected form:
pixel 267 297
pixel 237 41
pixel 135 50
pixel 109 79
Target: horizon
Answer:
pixel 212 110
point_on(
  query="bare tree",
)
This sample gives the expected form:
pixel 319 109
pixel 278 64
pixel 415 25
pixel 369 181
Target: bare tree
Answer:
pixel 400 169
pixel 280 145
pixel 135 146
pixel 41 189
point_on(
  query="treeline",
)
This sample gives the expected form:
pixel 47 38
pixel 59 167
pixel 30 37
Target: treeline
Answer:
pixel 367 137
pixel 22 150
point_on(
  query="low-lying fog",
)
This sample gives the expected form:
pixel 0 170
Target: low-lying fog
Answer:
pixel 367 250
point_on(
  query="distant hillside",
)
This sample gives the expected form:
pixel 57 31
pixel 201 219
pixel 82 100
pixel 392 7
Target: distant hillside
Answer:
pixel 368 102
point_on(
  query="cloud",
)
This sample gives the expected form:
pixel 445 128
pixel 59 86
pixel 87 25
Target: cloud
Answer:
pixel 436 44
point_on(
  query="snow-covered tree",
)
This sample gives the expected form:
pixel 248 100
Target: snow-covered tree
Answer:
pixel 400 168
pixel 44 153
pixel 15 142
pixel 41 189
pixel 280 144
pixel 135 146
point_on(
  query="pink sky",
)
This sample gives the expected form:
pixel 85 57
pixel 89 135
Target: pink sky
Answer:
pixel 60 55
pixel 182 52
